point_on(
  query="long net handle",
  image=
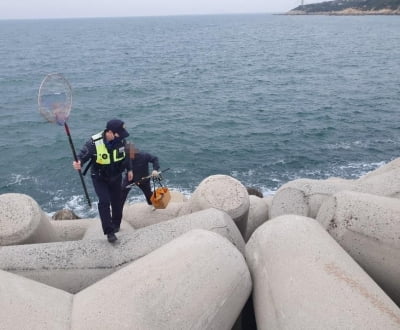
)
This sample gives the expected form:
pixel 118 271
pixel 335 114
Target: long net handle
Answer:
pixel 76 159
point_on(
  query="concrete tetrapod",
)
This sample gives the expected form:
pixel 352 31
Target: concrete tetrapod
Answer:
pixel 224 193
pixel 303 279
pixel 392 165
pixel 22 221
pixel 95 231
pixel 72 230
pixel 197 281
pixel 305 196
pixel 368 228
pixel 140 215
pixel 74 265
pixel 258 214
pixel 384 183
pixel 26 304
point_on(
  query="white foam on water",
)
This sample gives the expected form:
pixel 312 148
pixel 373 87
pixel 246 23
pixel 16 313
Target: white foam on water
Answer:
pixel 267 191
pixel 359 169
pixel 18 179
pixel 78 204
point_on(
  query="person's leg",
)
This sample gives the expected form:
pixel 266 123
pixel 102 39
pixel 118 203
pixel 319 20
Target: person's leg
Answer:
pixel 146 189
pixel 102 191
pixel 116 204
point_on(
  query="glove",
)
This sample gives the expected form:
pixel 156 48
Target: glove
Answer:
pixel 155 174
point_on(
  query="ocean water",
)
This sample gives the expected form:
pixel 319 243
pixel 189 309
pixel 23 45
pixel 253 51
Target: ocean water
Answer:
pixel 263 98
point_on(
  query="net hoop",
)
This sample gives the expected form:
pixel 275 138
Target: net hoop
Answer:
pixel 55 98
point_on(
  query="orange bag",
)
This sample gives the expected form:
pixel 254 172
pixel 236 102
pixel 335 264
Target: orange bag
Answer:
pixel 160 198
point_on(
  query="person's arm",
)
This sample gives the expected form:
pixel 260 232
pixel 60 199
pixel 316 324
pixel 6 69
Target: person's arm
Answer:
pixel 154 160
pixel 156 166
pixel 84 155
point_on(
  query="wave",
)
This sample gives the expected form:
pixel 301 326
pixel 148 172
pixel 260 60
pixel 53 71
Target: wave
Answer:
pixel 18 180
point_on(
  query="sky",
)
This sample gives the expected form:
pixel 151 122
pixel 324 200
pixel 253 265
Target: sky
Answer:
pixel 36 9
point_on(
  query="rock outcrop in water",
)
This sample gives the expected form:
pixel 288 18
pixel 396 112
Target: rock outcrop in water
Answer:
pixel 349 7
pixel 316 252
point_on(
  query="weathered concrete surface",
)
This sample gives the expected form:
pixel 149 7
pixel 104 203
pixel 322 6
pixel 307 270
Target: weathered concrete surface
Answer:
pixel 140 215
pixel 95 231
pixel 258 214
pixel 22 221
pixel 223 193
pixel 26 304
pixel 74 265
pixel 303 279
pixel 268 199
pixel 197 281
pixel 368 228
pixel 387 183
pixel 205 288
pixel 177 197
pixel 305 196
pixel 72 230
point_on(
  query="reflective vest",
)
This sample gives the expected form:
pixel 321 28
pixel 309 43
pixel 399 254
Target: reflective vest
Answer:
pixel 103 156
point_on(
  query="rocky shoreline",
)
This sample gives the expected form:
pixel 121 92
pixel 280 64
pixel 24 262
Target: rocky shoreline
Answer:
pixel 316 252
pixel 347 12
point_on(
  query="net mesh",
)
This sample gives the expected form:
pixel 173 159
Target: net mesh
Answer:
pixel 55 98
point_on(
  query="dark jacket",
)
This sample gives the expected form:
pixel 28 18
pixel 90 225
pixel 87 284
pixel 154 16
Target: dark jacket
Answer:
pixel 88 152
pixel 140 164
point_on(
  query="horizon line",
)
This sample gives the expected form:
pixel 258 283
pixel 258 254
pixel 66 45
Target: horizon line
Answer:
pixel 139 16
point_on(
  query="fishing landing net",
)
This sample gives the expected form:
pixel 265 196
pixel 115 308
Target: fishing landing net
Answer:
pixel 55 103
pixel 55 98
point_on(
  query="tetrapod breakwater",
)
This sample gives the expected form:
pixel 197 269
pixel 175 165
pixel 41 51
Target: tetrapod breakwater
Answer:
pixel 318 253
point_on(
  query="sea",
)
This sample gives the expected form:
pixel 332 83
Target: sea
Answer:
pixel 263 98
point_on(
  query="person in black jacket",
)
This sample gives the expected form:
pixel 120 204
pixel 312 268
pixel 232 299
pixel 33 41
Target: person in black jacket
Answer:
pixel 140 161
pixel 107 152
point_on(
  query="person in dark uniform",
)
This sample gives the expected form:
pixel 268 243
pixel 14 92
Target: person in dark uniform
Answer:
pixel 140 161
pixel 107 151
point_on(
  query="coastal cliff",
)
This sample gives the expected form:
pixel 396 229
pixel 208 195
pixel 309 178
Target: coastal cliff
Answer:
pixel 349 7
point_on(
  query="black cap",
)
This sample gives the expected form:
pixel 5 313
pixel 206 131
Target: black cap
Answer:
pixel 117 126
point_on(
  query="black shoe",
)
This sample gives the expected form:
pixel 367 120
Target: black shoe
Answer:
pixel 111 237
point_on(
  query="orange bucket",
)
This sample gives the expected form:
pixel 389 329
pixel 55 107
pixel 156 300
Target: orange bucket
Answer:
pixel 160 198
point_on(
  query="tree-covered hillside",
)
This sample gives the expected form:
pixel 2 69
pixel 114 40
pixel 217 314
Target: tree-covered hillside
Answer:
pixel 342 5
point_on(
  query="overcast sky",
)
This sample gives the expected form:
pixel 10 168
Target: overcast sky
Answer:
pixel 16 9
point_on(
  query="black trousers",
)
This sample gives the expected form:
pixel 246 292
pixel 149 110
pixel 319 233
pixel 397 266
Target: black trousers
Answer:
pixel 144 186
pixel 108 191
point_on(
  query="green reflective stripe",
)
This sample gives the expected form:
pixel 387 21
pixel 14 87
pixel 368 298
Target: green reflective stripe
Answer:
pixel 116 158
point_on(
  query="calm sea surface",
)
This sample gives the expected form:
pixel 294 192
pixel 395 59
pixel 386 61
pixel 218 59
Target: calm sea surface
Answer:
pixel 263 98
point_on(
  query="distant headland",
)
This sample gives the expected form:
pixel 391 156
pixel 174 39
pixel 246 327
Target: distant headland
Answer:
pixel 349 7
